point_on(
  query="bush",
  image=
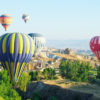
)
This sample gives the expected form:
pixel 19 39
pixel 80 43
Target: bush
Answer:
pixel 98 72
pixel 1 98
pixel 53 98
pixel 24 80
pixel 5 77
pixel 75 70
pixel 49 73
pixel 6 90
pixel 35 75
pixel 37 96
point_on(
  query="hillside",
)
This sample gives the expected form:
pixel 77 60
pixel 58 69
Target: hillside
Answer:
pixel 63 89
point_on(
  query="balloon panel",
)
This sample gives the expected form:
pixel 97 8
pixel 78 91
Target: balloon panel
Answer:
pixel 95 46
pixel 0 19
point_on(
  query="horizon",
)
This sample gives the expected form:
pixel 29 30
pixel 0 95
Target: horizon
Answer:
pixel 72 44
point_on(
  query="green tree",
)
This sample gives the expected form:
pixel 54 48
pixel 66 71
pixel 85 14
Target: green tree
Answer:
pixel 6 90
pixel 75 70
pixel 1 98
pixel 49 73
pixel 35 75
pixel 24 81
pixel 98 72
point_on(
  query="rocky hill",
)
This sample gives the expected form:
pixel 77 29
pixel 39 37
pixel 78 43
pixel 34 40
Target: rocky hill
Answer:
pixel 53 57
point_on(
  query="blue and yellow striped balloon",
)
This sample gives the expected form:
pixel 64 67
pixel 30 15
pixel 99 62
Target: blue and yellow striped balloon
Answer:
pixel 16 50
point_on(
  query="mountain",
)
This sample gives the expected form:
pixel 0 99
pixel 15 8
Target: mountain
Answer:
pixel 73 44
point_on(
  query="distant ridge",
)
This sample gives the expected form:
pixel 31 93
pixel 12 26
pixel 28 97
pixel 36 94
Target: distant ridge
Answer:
pixel 62 44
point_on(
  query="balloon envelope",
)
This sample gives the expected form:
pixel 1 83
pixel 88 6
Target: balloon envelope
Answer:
pixel 6 20
pixel 39 41
pixel 16 50
pixel 25 17
pixel 0 19
pixel 95 46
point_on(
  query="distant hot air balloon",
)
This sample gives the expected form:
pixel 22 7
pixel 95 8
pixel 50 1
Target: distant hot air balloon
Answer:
pixel 25 17
pixel 16 50
pixel 95 46
pixel 39 41
pixel 6 20
pixel 0 19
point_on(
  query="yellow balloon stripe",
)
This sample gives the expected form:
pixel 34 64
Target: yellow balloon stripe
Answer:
pixel 20 44
pixel 23 64
pixel 27 44
pixel 4 43
pixel 17 68
pixel 32 51
pixel 12 43
pixel 8 68
pixel 12 70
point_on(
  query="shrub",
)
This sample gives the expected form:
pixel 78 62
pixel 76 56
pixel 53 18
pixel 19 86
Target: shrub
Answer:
pixel 24 80
pixel 49 73
pixel 5 77
pixel 6 90
pixel 35 75
pixel 53 98
pixel 1 98
pixel 98 72
pixel 75 70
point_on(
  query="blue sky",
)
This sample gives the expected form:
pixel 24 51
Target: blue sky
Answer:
pixel 55 19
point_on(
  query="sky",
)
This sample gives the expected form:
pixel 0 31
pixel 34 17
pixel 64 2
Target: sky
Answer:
pixel 55 19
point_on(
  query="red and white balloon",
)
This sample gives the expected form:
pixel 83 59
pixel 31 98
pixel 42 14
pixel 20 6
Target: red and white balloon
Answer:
pixel 95 46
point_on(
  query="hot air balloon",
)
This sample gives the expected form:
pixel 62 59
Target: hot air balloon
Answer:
pixel 16 50
pixel 6 20
pixel 39 41
pixel 0 19
pixel 25 17
pixel 95 46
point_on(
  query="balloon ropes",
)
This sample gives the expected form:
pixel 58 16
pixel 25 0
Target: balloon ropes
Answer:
pixel 16 50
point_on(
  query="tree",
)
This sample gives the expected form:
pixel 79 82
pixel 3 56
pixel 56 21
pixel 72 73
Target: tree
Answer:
pixel 24 80
pixel 35 75
pixel 49 73
pixel 98 72
pixel 6 90
pixel 75 70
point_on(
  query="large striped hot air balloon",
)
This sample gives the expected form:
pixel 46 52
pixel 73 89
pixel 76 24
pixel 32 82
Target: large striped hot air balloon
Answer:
pixel 16 50
pixel 95 46
pixel 6 20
